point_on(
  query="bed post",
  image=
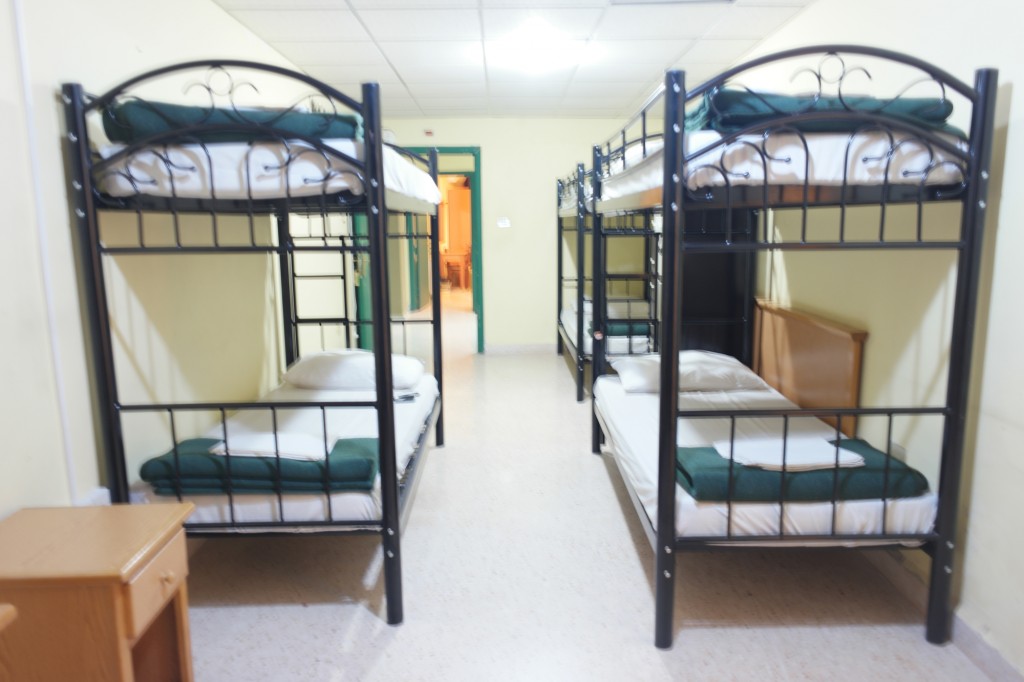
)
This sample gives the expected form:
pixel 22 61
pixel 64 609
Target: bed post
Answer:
pixel 581 281
pixel 673 224
pixel 559 344
pixel 91 261
pixel 597 314
pixel 435 288
pixel 939 626
pixel 287 266
pixel 377 226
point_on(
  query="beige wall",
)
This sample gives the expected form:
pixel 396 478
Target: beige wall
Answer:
pixel 50 455
pixel 958 37
pixel 520 161
pixel 32 465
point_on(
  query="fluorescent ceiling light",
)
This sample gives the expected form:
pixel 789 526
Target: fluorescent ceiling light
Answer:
pixel 536 47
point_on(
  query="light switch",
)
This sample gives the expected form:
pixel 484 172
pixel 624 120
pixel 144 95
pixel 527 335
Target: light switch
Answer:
pixel 504 222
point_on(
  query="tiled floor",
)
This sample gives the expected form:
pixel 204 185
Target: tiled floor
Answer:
pixel 524 560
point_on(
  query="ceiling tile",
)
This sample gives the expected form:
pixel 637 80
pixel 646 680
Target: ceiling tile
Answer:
pixel 523 102
pixel 598 107
pixel 409 4
pixel 355 74
pixel 430 59
pixel 573 23
pixel 544 3
pixel 452 102
pixel 603 88
pixel 525 65
pixel 620 71
pixel 649 22
pixel 277 4
pixel 305 25
pixel 777 3
pixel 751 22
pixel 419 24
pixel 544 88
pixel 642 51
pixel 716 51
pixel 445 89
pixel 399 100
pixel 328 53
pixel 439 54
pixel 452 73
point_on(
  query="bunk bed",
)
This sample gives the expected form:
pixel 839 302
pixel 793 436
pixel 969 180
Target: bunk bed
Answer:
pixel 193 169
pixel 631 300
pixel 718 292
pixel 711 452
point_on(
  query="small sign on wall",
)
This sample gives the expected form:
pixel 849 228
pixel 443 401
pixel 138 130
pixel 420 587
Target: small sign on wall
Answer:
pixel 504 222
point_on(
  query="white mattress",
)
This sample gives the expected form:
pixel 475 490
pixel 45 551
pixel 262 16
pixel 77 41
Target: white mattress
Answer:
pixel 631 422
pixel 261 170
pixel 614 345
pixel 356 422
pixel 822 163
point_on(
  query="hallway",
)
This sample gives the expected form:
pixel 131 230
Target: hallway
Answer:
pixel 523 559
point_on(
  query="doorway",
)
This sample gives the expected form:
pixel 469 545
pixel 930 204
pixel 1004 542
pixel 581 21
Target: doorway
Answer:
pixel 455 219
pixel 461 251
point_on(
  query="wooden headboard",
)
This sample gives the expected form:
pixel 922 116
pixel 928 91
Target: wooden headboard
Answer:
pixel 812 361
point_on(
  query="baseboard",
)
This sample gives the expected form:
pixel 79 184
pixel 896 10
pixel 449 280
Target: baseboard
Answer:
pixel 520 349
pixel 890 564
pixel 97 497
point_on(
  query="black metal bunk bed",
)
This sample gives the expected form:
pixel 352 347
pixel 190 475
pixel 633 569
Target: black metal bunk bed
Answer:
pixel 716 311
pixel 220 175
pixel 632 296
pixel 911 163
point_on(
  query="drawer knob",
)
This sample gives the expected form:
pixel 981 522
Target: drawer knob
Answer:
pixel 167 577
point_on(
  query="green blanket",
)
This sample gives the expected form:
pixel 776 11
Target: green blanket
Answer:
pixel 133 120
pixel 704 474
pixel 351 464
pixel 729 110
pixel 623 328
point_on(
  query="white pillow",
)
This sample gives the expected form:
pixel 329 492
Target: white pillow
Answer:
pixel 639 373
pixel 350 370
pixel 699 370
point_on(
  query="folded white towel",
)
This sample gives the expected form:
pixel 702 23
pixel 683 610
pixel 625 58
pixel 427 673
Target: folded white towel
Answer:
pixel 803 453
pixel 287 445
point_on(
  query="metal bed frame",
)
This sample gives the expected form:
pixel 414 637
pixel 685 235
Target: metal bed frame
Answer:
pixel 582 223
pixel 364 249
pixel 680 203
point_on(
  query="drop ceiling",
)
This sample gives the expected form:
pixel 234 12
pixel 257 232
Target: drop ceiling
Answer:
pixel 437 58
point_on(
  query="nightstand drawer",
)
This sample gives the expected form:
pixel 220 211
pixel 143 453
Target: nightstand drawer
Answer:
pixel 147 593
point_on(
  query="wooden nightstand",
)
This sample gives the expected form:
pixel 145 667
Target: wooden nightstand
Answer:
pixel 100 594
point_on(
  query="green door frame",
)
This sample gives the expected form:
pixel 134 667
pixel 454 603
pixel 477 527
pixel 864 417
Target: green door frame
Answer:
pixel 477 230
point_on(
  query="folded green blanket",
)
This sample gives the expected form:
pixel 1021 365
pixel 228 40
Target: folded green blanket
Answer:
pixel 133 120
pixel 351 465
pixel 623 328
pixel 704 474
pixel 729 110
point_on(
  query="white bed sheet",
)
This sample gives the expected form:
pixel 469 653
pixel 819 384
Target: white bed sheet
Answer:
pixel 827 154
pixel 614 345
pixel 357 422
pixel 242 171
pixel 631 422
